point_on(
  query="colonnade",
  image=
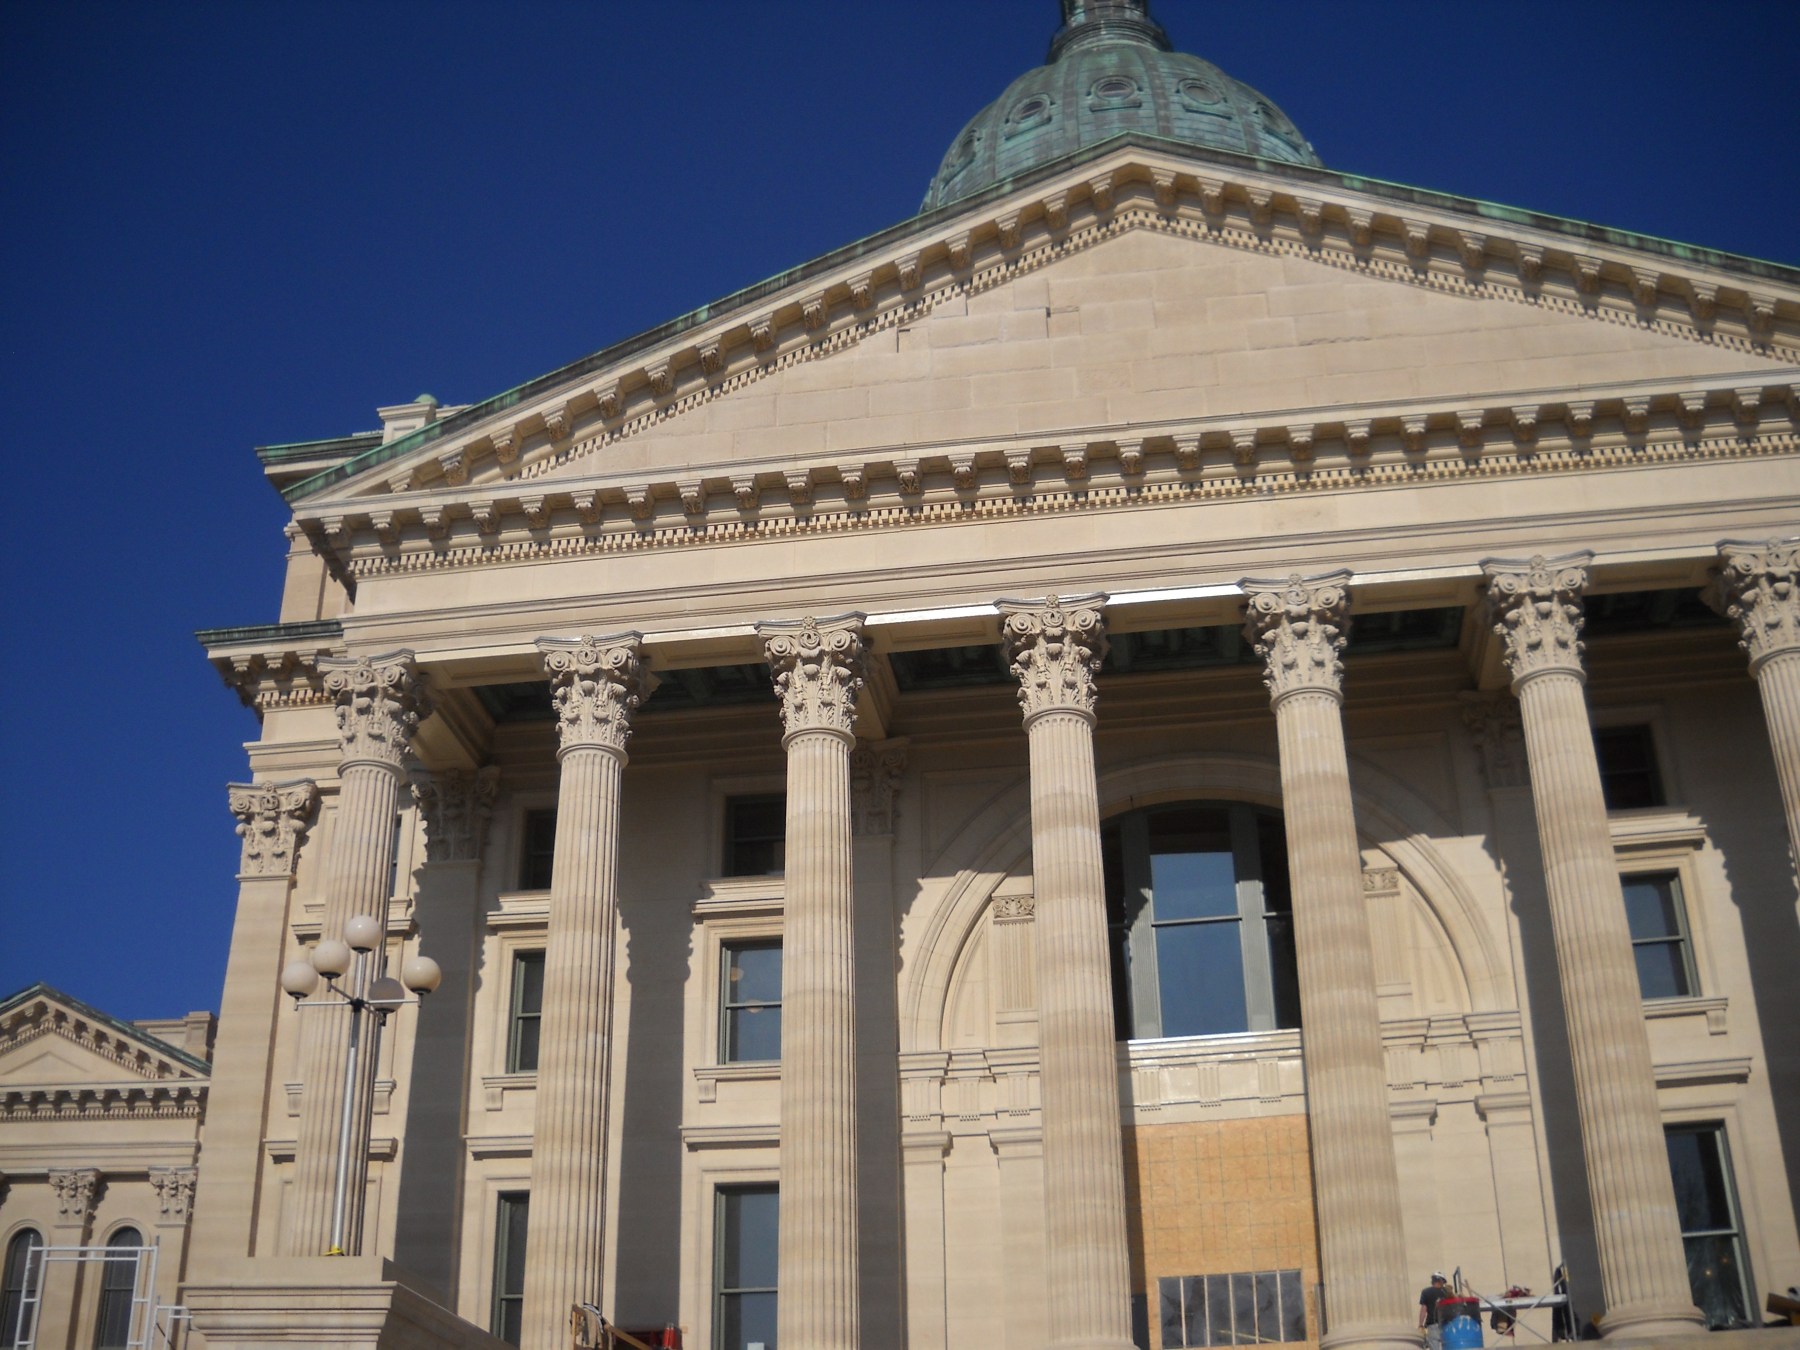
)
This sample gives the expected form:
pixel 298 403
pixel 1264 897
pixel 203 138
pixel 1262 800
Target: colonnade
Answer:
pixel 1298 625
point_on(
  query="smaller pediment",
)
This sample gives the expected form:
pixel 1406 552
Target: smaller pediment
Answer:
pixel 49 1040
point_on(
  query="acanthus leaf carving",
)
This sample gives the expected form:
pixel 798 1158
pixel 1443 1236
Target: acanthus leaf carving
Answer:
pixel 380 703
pixel 1536 609
pixel 1299 627
pixel 818 670
pixel 76 1189
pixel 272 820
pixel 876 768
pixel 1758 586
pixel 456 805
pixel 596 683
pixel 1056 647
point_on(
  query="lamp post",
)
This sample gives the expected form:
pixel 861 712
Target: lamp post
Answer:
pixel 375 999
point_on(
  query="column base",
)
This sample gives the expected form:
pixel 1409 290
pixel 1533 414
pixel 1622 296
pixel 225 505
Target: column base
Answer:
pixel 1651 1322
pixel 1373 1338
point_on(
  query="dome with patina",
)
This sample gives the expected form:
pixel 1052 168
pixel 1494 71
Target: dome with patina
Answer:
pixel 1111 71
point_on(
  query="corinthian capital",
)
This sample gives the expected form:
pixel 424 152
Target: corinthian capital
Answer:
pixel 1536 609
pixel 456 806
pixel 380 701
pixel 76 1189
pixel 1056 647
pixel 174 1187
pixel 272 819
pixel 596 684
pixel 818 669
pixel 1298 627
pixel 1758 585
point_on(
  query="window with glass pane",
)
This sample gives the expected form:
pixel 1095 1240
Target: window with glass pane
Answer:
pixel 527 1012
pixel 537 849
pixel 1245 1308
pixel 1706 1202
pixel 756 835
pixel 750 1002
pixel 1658 920
pixel 118 1283
pixel 745 1232
pixel 24 1271
pixel 509 1265
pixel 1197 900
pixel 1628 772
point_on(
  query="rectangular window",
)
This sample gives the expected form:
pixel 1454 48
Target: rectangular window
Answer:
pixel 1658 920
pixel 1711 1230
pixel 509 1265
pixel 537 849
pixel 746 1230
pixel 750 1002
pixel 1245 1308
pixel 756 835
pixel 527 1012
pixel 1628 772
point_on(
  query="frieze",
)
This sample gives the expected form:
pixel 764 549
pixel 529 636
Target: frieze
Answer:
pixel 456 805
pixel 1536 609
pixel 818 670
pixel 1758 586
pixel 1299 627
pixel 272 820
pixel 596 683
pixel 380 703
pixel 1056 647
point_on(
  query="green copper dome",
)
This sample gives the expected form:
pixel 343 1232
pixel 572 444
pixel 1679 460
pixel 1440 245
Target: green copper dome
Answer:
pixel 1111 71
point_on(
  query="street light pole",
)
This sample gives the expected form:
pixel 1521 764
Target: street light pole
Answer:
pixel 333 959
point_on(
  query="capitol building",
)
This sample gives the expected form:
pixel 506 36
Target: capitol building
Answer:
pixel 1145 757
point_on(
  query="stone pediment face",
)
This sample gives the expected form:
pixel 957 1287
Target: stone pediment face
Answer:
pixel 1136 311
pixel 49 1042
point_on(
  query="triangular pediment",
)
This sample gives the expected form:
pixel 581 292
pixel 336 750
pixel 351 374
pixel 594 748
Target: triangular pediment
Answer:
pixel 50 1041
pixel 1137 295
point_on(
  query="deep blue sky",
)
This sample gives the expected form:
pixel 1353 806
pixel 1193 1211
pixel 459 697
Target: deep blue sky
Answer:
pixel 223 225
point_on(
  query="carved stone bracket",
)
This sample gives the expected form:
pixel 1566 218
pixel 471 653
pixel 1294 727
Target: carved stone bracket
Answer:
pixel 876 768
pixel 380 703
pixel 818 670
pixel 272 820
pixel 1299 627
pixel 1494 725
pixel 1758 586
pixel 1056 647
pixel 596 684
pixel 1537 612
pixel 174 1187
pixel 76 1190
pixel 456 805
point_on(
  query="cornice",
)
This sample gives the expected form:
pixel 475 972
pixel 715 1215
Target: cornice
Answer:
pixel 32 1015
pixel 274 666
pixel 179 1099
pixel 1406 233
pixel 1205 460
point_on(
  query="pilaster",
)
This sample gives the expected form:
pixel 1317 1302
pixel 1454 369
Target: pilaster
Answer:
pixel 1299 626
pixel 1536 606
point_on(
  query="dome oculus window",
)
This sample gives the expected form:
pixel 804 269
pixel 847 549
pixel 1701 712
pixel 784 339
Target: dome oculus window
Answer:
pixel 1114 91
pixel 1030 114
pixel 1199 96
pixel 1200 921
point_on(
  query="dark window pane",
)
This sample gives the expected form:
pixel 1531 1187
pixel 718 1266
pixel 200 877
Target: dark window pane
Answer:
pixel 537 856
pixel 751 1225
pixel 1169 1289
pixel 1628 774
pixel 1218 1310
pixel 1284 969
pixel 527 1012
pixel 1293 1307
pixel 747 1320
pixel 1193 1308
pixel 1268 1306
pixel 755 973
pixel 1650 907
pixel 118 1281
pixel 1243 1307
pixel 755 835
pixel 752 1034
pixel 751 1002
pixel 24 1271
pixel 1112 868
pixel 1701 1197
pixel 512 1217
pixel 1192 875
pixel 1200 967
pixel 1716 1280
pixel 1662 970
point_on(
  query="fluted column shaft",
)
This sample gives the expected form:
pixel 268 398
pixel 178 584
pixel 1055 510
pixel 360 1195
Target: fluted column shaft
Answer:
pixel 1056 648
pixel 1298 627
pixel 818 673
pixel 1537 611
pixel 380 702
pixel 596 685
pixel 1758 586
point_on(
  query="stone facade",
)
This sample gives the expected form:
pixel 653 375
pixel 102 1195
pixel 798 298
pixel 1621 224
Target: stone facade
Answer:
pixel 1343 542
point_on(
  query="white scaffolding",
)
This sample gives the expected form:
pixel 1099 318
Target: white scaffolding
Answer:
pixel 151 1325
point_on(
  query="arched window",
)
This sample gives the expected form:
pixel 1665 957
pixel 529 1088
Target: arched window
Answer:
pixel 1202 926
pixel 118 1285
pixel 24 1271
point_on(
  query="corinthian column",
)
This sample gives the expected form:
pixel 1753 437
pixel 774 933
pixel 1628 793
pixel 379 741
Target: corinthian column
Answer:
pixel 1056 648
pixel 1298 626
pixel 1536 607
pixel 818 672
pixel 596 684
pixel 1759 586
pixel 379 703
